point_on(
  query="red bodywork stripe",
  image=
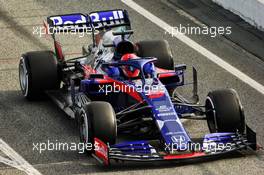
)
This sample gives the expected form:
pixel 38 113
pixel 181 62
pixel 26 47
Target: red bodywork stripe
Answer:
pixel 103 81
pixel 160 70
pixel 156 95
pixel 101 150
pixel 59 50
pixel 165 73
pixel 184 156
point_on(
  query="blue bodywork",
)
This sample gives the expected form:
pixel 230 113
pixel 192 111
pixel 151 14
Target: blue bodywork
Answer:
pixel 165 114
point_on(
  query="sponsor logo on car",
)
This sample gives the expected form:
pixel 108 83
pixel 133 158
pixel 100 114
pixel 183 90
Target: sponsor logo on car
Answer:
pixel 99 19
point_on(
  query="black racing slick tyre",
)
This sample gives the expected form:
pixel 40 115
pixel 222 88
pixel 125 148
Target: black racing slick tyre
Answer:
pixel 38 72
pixel 224 111
pixel 159 49
pixel 97 120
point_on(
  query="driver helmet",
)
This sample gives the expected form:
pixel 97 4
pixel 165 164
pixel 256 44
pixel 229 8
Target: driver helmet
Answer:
pixel 130 71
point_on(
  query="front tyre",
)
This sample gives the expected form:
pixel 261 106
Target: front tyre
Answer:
pixel 97 120
pixel 224 111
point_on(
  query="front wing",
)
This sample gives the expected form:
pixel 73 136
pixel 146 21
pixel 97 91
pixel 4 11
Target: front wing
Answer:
pixel 143 151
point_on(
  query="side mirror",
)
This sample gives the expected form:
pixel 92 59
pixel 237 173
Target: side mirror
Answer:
pixel 180 67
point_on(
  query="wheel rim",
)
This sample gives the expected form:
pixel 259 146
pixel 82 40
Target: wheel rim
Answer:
pixel 211 115
pixel 84 135
pixel 23 76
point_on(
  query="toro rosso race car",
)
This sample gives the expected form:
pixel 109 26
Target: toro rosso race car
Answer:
pixel 125 96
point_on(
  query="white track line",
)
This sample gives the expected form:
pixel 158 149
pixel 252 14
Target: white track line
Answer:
pixel 185 39
pixel 16 160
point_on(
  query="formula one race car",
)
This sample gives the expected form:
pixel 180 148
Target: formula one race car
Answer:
pixel 120 89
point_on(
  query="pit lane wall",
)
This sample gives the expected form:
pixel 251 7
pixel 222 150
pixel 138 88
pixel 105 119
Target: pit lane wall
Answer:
pixel 251 11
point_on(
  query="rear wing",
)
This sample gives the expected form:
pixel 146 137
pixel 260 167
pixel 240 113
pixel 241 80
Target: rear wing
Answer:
pixel 88 22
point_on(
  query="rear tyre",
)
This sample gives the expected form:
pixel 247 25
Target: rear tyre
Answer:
pixel 97 120
pixel 38 72
pixel 159 49
pixel 224 111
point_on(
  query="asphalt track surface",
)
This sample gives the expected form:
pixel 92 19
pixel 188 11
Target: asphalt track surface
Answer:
pixel 23 123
